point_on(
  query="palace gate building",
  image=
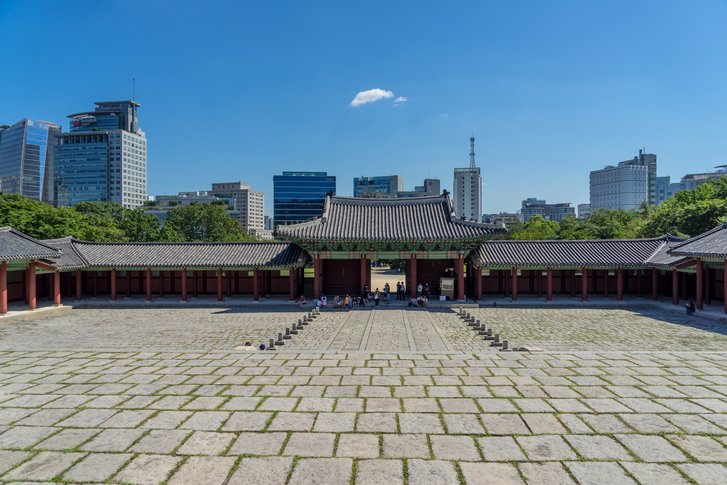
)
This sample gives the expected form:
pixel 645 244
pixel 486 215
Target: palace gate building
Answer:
pixel 422 232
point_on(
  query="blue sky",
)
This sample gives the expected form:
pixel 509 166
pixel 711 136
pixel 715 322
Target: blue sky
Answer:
pixel 245 90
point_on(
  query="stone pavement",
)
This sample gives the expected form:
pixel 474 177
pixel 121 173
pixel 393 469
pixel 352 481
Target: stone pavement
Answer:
pixel 273 417
pixel 422 411
pixel 642 327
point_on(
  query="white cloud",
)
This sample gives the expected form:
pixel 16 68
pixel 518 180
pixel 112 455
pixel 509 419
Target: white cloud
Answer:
pixel 370 96
pixel 401 99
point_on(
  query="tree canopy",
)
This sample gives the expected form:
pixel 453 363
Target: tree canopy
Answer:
pixel 106 221
pixel 686 214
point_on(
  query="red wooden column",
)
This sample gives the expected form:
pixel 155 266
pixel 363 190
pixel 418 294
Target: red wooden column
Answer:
pixel 219 285
pixel 78 284
pixel 513 273
pixel 94 278
pixel 148 284
pixel 256 284
pixel 316 277
pixel 549 294
pixel 674 287
pixel 229 284
pixel 478 283
pixel 57 288
pixel 413 275
pixel 654 284
pixel 32 300
pixel 620 284
pixel 605 283
pixel 4 288
pixel 724 285
pixel 183 277
pixel 639 281
pixel 161 283
pixel 112 276
pixel 291 284
pixel 584 284
pixel 194 283
pixel 700 284
pixel 128 284
pixel 460 277
pixel 364 273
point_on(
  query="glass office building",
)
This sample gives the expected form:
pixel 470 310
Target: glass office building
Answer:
pixel 82 168
pixel 300 196
pixel 103 157
pixel 26 159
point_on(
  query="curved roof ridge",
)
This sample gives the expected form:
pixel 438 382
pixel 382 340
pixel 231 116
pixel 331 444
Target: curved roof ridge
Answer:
pixel 171 243
pixel 701 236
pixel 549 241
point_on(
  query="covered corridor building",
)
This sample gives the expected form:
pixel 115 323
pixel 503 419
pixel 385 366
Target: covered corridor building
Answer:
pixel 340 246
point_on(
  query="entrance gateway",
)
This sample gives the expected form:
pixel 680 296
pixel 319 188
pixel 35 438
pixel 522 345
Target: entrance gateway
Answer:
pixel 422 231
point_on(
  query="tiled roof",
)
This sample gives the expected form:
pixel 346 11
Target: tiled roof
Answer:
pixel 16 246
pixel 711 244
pixel 406 219
pixel 69 258
pixel 662 259
pixel 191 255
pixel 589 253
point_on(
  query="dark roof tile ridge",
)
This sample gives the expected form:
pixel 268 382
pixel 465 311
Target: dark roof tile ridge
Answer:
pixel 714 230
pixel 181 243
pixel 382 200
pixel 571 241
pixel 28 238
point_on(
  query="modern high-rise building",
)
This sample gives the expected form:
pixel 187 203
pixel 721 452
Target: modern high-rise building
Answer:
pixel 384 185
pixel 26 158
pixel 102 157
pixel 538 207
pixel 626 185
pixel 300 196
pixel 468 189
pixel 250 204
pixel 584 211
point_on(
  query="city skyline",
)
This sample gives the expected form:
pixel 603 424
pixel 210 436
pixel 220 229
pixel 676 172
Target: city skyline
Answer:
pixel 545 110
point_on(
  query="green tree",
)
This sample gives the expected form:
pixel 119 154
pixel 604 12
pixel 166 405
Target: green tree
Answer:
pixel 537 228
pixel 43 221
pixel 203 222
pixel 574 228
pixel 689 212
pixel 614 224
pixel 139 226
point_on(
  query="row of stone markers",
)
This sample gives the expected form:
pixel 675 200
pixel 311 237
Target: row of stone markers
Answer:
pixel 487 333
pixel 294 329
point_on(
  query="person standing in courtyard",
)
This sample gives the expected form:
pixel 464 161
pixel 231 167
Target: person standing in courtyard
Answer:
pixel 376 297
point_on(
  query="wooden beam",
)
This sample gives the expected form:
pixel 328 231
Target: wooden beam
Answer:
pixel 549 293
pixel 32 298
pixel 183 277
pixel 584 284
pixel 57 288
pixel 700 285
pixel 112 277
pixel 4 287
pixel 674 287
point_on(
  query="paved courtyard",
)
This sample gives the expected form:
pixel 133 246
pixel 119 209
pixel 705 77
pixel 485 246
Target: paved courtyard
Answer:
pixel 419 410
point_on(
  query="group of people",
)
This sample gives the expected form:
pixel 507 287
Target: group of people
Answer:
pixel 348 301
pixel 420 300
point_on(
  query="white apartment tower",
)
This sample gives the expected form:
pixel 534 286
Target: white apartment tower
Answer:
pixel 250 203
pixel 468 189
pixel 625 186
